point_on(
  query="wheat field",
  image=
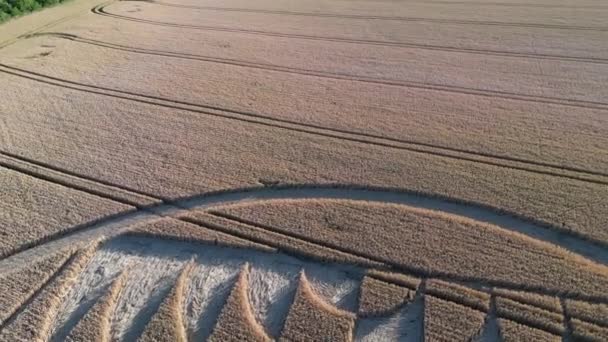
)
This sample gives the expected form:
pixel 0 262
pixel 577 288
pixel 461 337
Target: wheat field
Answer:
pixel 317 170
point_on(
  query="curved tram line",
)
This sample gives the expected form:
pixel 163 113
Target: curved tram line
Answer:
pixel 100 10
pixel 120 223
pixel 419 85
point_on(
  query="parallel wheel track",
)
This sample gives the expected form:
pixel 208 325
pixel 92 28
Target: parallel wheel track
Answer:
pixel 266 120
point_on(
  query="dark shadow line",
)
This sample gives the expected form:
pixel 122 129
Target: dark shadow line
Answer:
pixel 215 198
pixel 568 317
pixel 280 249
pixel 400 18
pixel 176 203
pixel 301 130
pixel 208 199
pixel 470 304
pixel 268 117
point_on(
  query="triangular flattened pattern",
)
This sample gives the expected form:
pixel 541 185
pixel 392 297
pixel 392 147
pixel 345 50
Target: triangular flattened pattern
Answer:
pixel 448 321
pixel 237 321
pixel 167 323
pixel 312 319
pixel 95 325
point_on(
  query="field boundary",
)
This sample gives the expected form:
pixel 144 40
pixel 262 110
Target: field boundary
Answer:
pixel 17 28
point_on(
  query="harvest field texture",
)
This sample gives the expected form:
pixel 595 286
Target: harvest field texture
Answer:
pixel 304 170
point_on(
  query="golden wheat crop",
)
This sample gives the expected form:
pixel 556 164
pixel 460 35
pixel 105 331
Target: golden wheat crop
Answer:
pixel 379 298
pixel 312 319
pixel 95 324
